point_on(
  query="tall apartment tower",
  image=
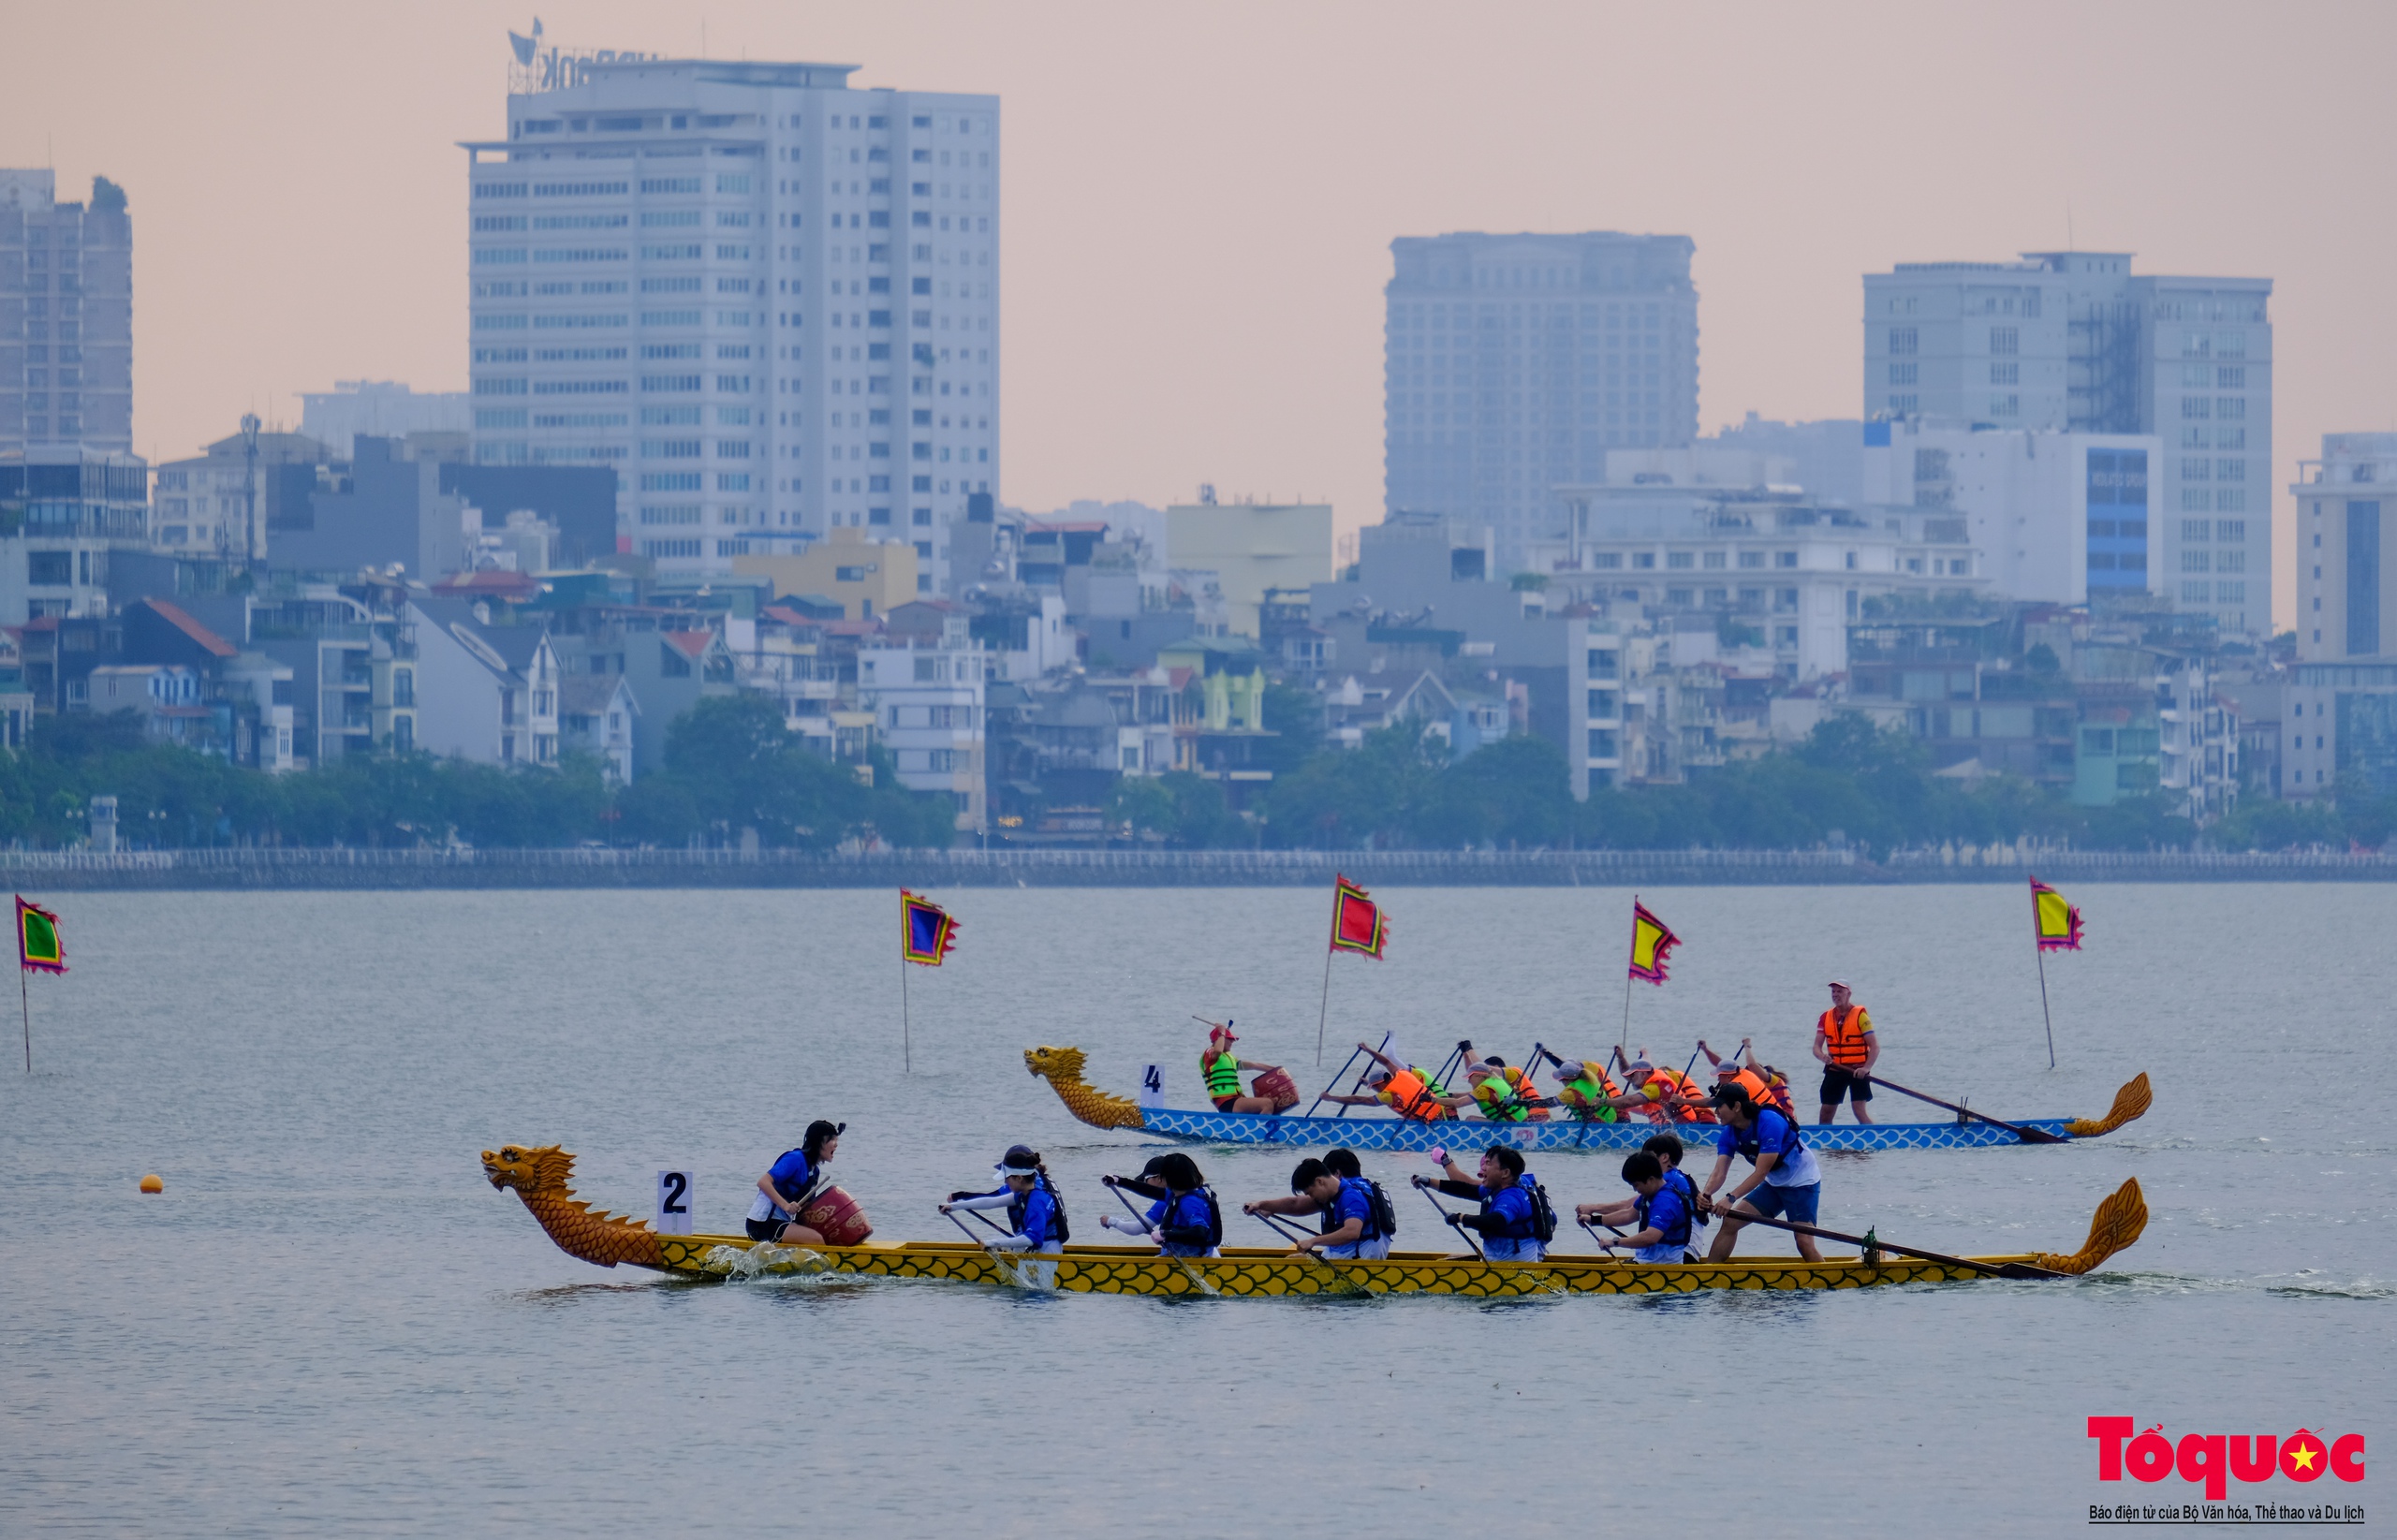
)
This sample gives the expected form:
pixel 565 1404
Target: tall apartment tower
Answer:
pixel 2076 341
pixel 769 301
pixel 66 317
pixel 1514 362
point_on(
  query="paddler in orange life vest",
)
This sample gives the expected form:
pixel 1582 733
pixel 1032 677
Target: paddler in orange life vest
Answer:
pixel 1765 1091
pixel 1221 1068
pixel 1845 1042
pixel 1403 1089
pixel 1660 1096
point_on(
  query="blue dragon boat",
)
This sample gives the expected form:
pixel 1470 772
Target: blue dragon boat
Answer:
pixel 1062 1067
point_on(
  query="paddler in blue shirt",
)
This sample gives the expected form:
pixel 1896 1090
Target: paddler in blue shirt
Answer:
pixel 1035 1215
pixel 783 1190
pixel 1334 1187
pixel 1787 1183
pixel 1508 1223
pixel 1185 1219
pixel 1664 1216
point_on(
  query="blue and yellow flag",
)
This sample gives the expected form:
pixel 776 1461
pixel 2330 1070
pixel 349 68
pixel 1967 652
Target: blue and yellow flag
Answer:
pixel 925 931
pixel 2055 923
pixel 37 944
pixel 1652 942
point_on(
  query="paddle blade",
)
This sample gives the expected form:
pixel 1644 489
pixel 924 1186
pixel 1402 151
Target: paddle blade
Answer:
pixel 2130 1101
pixel 2117 1224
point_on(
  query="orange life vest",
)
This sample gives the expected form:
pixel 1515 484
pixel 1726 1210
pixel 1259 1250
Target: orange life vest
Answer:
pixel 1762 1095
pixel 1670 1085
pixel 1843 1033
pixel 1405 1093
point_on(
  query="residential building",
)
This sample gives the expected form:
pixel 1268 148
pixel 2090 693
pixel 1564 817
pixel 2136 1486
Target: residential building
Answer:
pixel 929 707
pixel 1515 361
pixel 485 692
pixel 597 715
pixel 767 300
pixel 2342 727
pixel 381 409
pixel 2076 341
pixel 864 575
pixel 1825 457
pixel 1250 548
pixel 222 502
pixel 164 696
pixel 2058 517
pixel 1633 718
pixel 342 642
pixel 2347 514
pixel 66 512
pixel 1774 572
pixel 66 319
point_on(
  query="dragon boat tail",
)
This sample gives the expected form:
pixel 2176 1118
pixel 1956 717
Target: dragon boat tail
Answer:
pixel 543 1177
pixel 1062 1067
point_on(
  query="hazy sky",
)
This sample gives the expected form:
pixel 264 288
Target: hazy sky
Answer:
pixel 1199 202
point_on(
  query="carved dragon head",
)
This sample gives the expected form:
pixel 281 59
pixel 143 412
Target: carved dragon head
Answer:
pixel 542 1169
pixel 1062 1067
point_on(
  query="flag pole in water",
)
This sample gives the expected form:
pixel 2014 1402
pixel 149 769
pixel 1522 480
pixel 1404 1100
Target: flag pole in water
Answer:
pixel 37 951
pixel 1652 943
pixel 926 933
pixel 2055 926
pixel 1358 925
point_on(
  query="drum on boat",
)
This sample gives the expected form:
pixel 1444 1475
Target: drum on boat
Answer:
pixel 1276 1086
pixel 836 1216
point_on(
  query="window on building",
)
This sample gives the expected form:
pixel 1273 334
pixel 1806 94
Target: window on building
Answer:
pixel 2005 339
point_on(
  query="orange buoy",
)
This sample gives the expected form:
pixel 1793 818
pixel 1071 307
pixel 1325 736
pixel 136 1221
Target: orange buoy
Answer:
pixel 152 1183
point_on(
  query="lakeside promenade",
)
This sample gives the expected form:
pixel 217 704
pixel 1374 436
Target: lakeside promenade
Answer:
pixel 194 870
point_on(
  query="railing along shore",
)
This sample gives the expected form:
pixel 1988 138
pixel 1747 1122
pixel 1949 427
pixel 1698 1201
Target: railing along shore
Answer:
pixel 459 868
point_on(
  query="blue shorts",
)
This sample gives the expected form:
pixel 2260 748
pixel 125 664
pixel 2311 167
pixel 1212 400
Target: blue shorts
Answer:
pixel 1796 1204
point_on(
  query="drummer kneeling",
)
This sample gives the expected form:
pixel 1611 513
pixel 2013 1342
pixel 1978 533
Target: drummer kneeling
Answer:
pixel 1663 1215
pixel 785 1189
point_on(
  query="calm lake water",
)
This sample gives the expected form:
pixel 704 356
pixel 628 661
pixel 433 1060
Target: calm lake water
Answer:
pixel 330 1325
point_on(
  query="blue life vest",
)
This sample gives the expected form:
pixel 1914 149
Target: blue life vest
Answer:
pixel 1374 1206
pixel 1750 1141
pixel 1679 1182
pixel 1193 1210
pixel 1052 1226
pixel 1519 1226
pixel 1679 1234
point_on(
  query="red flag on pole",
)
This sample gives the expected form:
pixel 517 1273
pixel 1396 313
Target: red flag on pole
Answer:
pixel 1358 924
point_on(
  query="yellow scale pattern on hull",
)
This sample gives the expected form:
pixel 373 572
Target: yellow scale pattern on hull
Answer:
pixel 1276 1274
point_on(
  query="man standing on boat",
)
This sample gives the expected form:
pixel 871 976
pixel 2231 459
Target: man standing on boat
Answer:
pixel 1845 1042
pixel 1220 1067
pixel 1787 1182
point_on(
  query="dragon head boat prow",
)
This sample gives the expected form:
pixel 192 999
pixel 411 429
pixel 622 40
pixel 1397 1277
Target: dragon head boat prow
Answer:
pixel 543 1177
pixel 1063 1069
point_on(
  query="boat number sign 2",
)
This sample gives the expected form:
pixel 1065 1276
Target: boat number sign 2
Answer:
pixel 674 1203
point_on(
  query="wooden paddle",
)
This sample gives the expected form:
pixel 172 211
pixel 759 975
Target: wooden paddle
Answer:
pixel 1446 1218
pixel 2028 1136
pixel 1726 1213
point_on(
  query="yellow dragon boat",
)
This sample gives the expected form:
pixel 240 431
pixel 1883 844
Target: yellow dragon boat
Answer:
pixel 543 1177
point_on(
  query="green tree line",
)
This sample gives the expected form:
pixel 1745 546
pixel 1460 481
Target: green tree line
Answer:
pixel 730 765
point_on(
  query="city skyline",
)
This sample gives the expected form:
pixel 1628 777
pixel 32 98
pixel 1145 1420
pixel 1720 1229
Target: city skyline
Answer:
pixel 1196 295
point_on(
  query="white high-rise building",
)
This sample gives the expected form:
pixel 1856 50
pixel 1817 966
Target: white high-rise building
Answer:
pixel 1516 361
pixel 2075 341
pixel 767 300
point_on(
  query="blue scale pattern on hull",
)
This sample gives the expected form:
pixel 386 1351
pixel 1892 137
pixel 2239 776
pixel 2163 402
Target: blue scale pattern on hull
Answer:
pixel 1404 1135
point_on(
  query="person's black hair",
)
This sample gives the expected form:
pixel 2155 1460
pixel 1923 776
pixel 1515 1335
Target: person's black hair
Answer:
pixel 1735 1096
pixel 1180 1173
pixel 1666 1148
pixel 1641 1165
pixel 1309 1172
pixel 1495 1059
pixel 1509 1158
pixel 1155 1165
pixel 1342 1162
pixel 817 1132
